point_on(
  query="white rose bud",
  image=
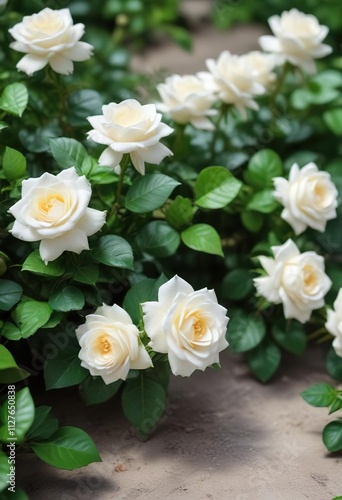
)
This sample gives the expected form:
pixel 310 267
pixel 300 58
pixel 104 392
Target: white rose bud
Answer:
pixel 334 323
pixel 186 99
pixel 297 38
pixel 50 37
pixel 54 210
pixel 131 128
pixel 294 279
pixel 189 326
pixel 233 79
pixel 309 198
pixel 110 344
pixel 262 66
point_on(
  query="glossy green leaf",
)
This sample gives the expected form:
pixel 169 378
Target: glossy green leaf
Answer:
pixel 44 424
pixel 64 370
pixel 35 265
pixel 290 335
pixel 203 238
pixel 13 164
pixel 143 403
pixel 149 192
pixel 264 361
pixel 23 412
pixel 245 331
pixel 263 167
pixel 68 152
pixel 68 448
pixel 216 187
pixel 14 99
pixel 30 315
pixel 158 239
pixel 68 298
pixel 263 202
pixel 320 395
pixel 93 390
pixel 10 294
pixel 113 251
pixel 332 435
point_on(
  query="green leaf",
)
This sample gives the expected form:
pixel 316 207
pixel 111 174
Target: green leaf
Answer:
pixel 35 265
pixel 149 192
pixel 263 167
pixel 319 395
pixel 9 370
pixel 30 315
pixel 69 448
pixel 44 424
pixel 333 120
pixel 14 164
pixel 329 78
pixel 64 370
pixel 180 212
pixel 143 403
pixel 68 298
pixel 180 36
pixel 332 435
pixel 336 405
pixel 158 239
pixel 11 331
pixel 263 202
pixel 252 221
pixel 143 291
pixel 216 187
pixel 4 470
pixel 10 294
pixel 245 331
pixel 291 336
pixel 93 390
pixel 334 365
pixel 237 284
pixel 264 361
pixel 3 125
pixel 23 411
pixel 113 251
pixel 203 238
pixel 68 152
pixel 81 104
pixel 14 99
pixel 87 273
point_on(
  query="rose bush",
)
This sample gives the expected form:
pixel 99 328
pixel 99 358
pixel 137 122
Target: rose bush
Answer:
pixel 90 254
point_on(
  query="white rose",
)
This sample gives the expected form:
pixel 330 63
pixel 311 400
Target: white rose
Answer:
pixel 309 198
pixel 233 79
pixel 262 66
pixel 334 323
pixel 297 280
pixel 131 128
pixel 298 39
pixel 49 37
pixel 54 210
pixel 186 99
pixel 189 326
pixel 110 344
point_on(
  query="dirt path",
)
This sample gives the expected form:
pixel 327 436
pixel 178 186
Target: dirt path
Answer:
pixel 225 436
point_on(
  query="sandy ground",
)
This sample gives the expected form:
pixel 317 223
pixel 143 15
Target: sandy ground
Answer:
pixel 224 436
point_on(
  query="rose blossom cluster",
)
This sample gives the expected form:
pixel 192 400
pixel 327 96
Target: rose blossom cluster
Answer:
pixel 238 80
pixel 188 326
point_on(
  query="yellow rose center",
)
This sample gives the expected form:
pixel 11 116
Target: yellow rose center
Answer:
pixel 103 345
pixel 310 277
pixel 50 207
pixel 46 25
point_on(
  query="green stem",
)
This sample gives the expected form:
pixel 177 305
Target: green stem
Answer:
pixel 286 68
pixel 317 333
pixel 222 115
pixel 61 90
pixel 179 129
pixel 116 205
